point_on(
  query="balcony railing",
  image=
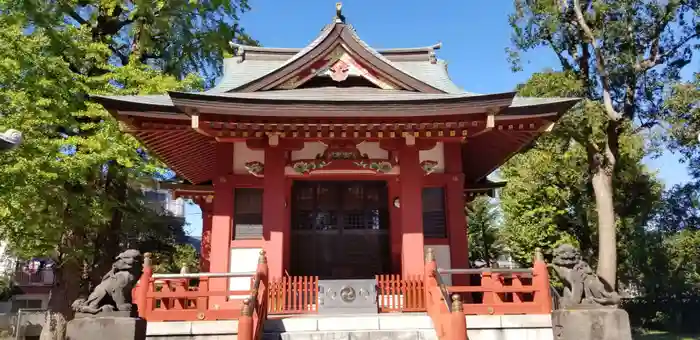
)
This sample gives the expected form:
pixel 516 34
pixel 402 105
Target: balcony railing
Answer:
pixel 42 277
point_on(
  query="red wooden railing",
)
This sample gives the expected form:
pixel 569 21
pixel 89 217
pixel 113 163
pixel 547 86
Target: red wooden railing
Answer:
pixel 395 294
pixel 254 311
pixel 438 306
pixel 499 291
pixel 294 295
pixel 186 297
pixel 496 291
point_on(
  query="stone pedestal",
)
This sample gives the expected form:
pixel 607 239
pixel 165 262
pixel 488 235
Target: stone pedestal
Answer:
pixel 106 328
pixel 591 324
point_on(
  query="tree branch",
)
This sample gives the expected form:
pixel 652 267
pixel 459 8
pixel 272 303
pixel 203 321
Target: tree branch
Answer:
pixel 600 62
pixel 657 58
pixel 73 14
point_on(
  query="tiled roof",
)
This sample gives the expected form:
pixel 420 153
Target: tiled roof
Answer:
pixel 237 73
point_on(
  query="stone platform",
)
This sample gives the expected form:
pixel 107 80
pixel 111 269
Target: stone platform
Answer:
pixel 417 326
pixel 106 328
pixel 591 324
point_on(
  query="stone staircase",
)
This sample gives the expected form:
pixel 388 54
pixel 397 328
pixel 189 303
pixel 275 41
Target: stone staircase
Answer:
pixel 357 335
pixel 352 327
pixel 360 327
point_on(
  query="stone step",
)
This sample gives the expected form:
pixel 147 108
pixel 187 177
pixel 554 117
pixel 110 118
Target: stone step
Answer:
pixel 355 335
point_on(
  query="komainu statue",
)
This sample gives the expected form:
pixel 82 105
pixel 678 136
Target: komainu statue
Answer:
pixel 582 287
pixel 114 292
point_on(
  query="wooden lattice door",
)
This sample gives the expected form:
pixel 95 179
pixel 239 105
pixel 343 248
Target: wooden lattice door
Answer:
pixel 340 230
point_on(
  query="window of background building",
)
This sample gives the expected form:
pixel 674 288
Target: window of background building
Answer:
pixel 247 216
pixel 434 225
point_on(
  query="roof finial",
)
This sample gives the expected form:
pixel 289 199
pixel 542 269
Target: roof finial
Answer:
pixel 339 17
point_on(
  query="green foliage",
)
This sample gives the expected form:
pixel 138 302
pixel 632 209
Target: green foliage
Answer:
pixel 683 109
pixel 71 190
pixel 184 256
pixel 483 230
pixel 622 53
pixel 549 199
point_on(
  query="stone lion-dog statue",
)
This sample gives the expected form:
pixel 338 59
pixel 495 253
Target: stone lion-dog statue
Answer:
pixel 582 287
pixel 114 292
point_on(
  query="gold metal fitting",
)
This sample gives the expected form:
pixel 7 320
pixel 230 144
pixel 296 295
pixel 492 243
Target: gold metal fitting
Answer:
pixel 429 255
pixel 263 257
pixel 457 305
pixel 538 254
pixel 247 309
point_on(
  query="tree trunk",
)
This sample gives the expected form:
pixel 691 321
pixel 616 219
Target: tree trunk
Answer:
pixel 108 239
pixel 607 233
pixel 67 288
pixel 54 327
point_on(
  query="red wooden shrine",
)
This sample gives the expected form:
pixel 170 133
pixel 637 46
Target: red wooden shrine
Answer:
pixel 336 159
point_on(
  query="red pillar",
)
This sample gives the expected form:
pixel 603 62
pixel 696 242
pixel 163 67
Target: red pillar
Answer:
pixel 222 218
pixel 205 247
pixel 411 183
pixel 274 211
pixel 456 220
pixel 395 233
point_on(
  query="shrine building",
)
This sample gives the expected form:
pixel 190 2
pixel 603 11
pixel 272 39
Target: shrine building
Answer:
pixel 339 160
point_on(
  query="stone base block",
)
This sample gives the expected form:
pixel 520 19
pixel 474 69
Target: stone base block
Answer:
pixel 106 328
pixel 591 324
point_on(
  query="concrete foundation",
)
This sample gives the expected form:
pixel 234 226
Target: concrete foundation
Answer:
pixel 591 324
pixel 399 326
pixel 106 328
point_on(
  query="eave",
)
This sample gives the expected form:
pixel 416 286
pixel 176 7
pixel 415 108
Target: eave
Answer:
pixel 239 106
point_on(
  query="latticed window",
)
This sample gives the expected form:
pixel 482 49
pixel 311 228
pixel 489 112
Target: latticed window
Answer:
pixel 247 216
pixel 434 225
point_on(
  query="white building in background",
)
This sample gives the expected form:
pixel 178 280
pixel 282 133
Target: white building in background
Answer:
pixel 162 200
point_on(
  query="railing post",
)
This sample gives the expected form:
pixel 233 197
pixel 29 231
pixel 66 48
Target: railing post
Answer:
pixel 540 281
pixel 245 321
pixel 263 270
pixel 428 282
pixel 144 284
pixel 458 322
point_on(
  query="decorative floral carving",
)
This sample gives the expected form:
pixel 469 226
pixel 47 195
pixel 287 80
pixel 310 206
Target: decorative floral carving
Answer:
pixel 255 168
pixel 339 71
pixel 377 166
pixel 429 166
pixel 304 167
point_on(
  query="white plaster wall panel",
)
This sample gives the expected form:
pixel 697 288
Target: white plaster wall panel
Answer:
pixel 243 260
pixel 310 151
pixel 437 154
pixel 373 150
pixel 442 257
pixel 242 154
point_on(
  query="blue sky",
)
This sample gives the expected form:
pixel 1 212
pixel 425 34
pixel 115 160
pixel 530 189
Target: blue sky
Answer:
pixel 474 38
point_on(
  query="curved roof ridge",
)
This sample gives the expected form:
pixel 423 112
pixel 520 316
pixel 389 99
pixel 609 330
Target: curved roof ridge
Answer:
pixel 287 50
